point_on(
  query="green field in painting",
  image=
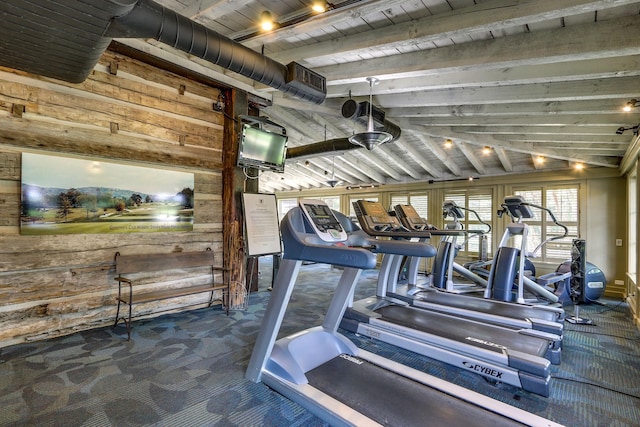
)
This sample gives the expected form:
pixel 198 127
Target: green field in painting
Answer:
pixel 148 218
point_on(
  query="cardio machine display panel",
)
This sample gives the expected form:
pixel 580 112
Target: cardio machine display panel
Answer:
pixel 410 217
pixel 323 221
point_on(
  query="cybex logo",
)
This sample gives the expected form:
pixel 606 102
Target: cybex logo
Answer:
pixel 483 370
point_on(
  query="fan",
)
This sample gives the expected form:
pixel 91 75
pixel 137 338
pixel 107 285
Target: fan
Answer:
pixel 371 138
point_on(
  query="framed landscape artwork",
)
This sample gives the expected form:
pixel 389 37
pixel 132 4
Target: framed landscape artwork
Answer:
pixel 62 195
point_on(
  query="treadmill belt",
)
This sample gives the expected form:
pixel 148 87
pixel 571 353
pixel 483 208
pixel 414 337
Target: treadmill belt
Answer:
pixel 459 329
pixel 393 400
pixel 516 311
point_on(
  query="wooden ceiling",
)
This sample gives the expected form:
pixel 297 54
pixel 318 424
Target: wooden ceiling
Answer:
pixel 528 79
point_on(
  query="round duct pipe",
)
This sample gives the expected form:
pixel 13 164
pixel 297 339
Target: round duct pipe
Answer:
pixel 320 148
pixel 148 19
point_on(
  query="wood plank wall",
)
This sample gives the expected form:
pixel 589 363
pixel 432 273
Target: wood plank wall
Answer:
pixel 125 112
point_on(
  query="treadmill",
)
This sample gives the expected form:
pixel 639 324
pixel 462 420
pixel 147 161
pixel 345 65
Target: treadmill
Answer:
pixel 544 318
pixel 326 373
pixel 519 357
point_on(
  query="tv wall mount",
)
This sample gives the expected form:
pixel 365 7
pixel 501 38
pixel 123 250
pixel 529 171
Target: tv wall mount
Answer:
pixel 263 123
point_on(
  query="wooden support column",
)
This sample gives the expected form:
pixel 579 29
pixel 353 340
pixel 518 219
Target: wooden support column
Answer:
pixel 232 187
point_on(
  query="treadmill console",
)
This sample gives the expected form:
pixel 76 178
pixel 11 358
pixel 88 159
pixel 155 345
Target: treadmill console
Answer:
pixel 372 216
pixel 324 222
pixel 410 218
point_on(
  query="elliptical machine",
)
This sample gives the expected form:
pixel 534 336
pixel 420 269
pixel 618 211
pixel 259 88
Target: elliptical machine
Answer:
pixel 444 264
pixel 508 267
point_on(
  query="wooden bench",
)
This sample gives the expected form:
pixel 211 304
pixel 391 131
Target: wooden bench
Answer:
pixel 141 263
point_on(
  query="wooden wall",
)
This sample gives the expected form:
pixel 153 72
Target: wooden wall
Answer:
pixel 125 112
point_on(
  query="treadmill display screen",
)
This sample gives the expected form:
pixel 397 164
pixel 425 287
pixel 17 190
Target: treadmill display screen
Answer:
pixel 410 212
pixel 322 217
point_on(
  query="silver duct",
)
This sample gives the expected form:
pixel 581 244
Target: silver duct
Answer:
pixel 148 19
pixel 356 112
pixel 320 148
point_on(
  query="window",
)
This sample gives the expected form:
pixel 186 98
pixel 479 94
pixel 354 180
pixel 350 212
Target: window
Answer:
pixel 420 202
pixel 399 199
pixel 333 202
pixel 482 203
pixel 633 217
pixel 285 205
pixel 352 213
pixel 563 203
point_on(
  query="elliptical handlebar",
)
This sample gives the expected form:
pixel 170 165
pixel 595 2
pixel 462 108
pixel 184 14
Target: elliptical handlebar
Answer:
pixel 555 222
pixel 518 209
pixel 451 208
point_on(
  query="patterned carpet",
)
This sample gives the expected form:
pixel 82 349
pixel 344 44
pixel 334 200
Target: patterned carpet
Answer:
pixel 187 369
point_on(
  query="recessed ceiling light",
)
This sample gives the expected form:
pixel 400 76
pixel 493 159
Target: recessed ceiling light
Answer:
pixel 319 6
pixel 266 21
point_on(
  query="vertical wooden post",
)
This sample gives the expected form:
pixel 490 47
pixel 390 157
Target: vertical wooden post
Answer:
pixel 236 103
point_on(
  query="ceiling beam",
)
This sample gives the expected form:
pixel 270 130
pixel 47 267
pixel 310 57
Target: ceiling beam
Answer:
pixel 503 156
pixel 417 156
pixel 472 157
pixel 599 89
pixel 624 66
pixel 345 14
pixel 542 108
pixel 616 37
pixel 486 16
pixel 520 147
pixel 213 9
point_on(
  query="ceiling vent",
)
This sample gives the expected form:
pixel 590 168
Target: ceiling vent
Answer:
pixel 306 80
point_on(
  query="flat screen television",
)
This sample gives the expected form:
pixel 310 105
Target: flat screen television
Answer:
pixel 262 149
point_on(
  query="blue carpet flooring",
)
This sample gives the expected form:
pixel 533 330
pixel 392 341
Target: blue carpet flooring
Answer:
pixel 187 369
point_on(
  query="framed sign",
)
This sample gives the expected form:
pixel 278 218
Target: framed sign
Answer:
pixel 262 228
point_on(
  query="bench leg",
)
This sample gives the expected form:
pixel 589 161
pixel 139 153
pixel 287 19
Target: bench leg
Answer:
pixel 117 315
pixel 128 322
pixel 125 319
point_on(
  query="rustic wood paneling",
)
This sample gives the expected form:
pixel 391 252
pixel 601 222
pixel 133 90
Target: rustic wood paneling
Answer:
pixel 55 285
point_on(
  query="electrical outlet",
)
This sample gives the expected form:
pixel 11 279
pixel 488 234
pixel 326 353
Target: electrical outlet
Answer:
pixel 618 242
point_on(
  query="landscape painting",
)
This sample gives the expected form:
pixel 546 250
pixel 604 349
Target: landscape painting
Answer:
pixel 62 195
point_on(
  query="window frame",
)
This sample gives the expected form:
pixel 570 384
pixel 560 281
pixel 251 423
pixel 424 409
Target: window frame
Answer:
pixel 543 222
pixel 472 245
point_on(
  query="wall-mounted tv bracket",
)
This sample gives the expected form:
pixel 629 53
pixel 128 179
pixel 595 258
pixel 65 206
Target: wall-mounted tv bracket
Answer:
pixel 260 123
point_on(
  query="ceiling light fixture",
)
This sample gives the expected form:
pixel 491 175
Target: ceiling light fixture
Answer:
pixel 371 138
pixel 486 150
pixel 631 104
pixel 540 160
pixel 448 143
pixel 579 166
pixel 319 6
pixel 266 21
